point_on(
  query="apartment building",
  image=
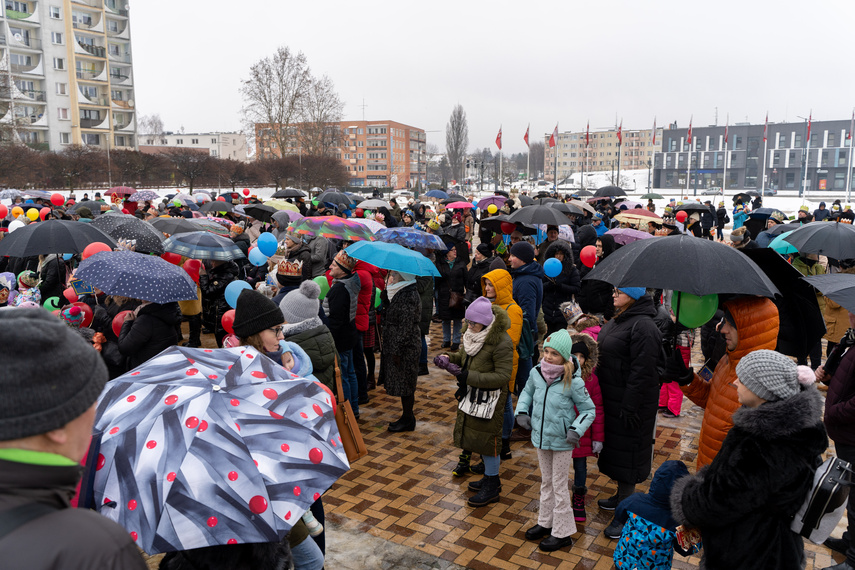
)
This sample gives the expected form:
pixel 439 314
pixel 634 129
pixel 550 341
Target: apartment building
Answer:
pixel 383 154
pixel 602 150
pixel 218 145
pixel 66 73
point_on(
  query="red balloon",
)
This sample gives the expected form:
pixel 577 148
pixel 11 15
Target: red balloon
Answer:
pixel 588 255
pixel 172 258
pixel 87 313
pixel 246 191
pixel 192 267
pixel 228 321
pixel 43 213
pixel 4 211
pixel 94 248
pixel 508 227
pixel 57 199
pixel 221 198
pixel 70 295
pixel 125 211
pixel 681 216
pixel 118 320
pixel 359 212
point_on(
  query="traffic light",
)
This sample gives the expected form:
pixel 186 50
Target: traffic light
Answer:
pixel 467 164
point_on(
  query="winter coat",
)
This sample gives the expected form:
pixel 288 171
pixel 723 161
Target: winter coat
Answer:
pixel 713 346
pixel 757 327
pixel 401 341
pixel 424 286
pixel 473 278
pixel 304 255
pixel 840 402
pixel 540 252
pixel 821 214
pixel 489 369
pixel 365 299
pixel 595 297
pixel 272 555
pixel 67 538
pixel 836 318
pixel 213 284
pixel 562 288
pixel 721 217
pixel 554 409
pixel 340 306
pixel 451 279
pixel 242 241
pixel 456 231
pixel 315 338
pixel 528 292
pixel 150 333
pixel 592 385
pixel 320 247
pixel 52 277
pixel 739 218
pixel 744 501
pixel 192 307
pixel 503 284
pixel 809 267
pixel 708 218
pixel 629 349
pixel 586 236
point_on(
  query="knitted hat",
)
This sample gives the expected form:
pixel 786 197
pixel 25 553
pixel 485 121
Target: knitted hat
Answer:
pixel 737 235
pixel 83 212
pixel 254 313
pixel 580 348
pixel 72 316
pixel 523 251
pixel 27 279
pixel 485 249
pixel 480 311
pixel 344 261
pixel 301 304
pixel 771 375
pixel 42 396
pixel 634 292
pixel 560 342
pixel 295 237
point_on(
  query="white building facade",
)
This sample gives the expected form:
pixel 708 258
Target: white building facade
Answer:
pixel 219 145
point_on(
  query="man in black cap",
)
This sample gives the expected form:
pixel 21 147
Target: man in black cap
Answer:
pixel 708 219
pixel 46 416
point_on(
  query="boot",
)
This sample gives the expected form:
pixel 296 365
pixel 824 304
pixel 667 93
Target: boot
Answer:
pixel 521 434
pixel 489 492
pixel 194 339
pixel 423 370
pixel 614 529
pixel 476 486
pixel 478 468
pixel 462 465
pixel 609 504
pixel 578 503
pixel 455 346
pixel 371 382
pixel 505 453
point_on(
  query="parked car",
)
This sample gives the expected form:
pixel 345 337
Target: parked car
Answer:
pixel 770 192
pixel 713 191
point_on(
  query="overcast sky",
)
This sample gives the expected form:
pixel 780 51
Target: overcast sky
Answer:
pixel 507 63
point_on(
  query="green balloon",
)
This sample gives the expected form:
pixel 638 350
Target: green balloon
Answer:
pixel 315 203
pixel 51 303
pixel 322 282
pixel 377 299
pixel 694 311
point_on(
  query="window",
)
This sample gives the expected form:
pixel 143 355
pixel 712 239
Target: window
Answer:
pixel 65 138
pixel 360 156
pixel 21 60
pixel 179 141
pixel 783 140
pixel 62 113
pixel 91 114
pixel 824 159
pixel 839 180
pixel 120 140
pixel 832 140
pixel 737 144
pixel 15 6
pixel 89 91
pixel 213 141
pixel 790 181
pixel 91 138
pixel 194 141
pixel 56 38
pixel 798 141
pixel 359 131
pixel 55 12
pixel 113 26
pixel 59 63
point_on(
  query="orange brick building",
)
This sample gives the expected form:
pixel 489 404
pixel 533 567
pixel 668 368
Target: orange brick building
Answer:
pixel 384 154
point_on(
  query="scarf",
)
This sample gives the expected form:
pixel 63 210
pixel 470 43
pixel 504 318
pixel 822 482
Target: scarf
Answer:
pixel 392 290
pixel 551 372
pixel 473 342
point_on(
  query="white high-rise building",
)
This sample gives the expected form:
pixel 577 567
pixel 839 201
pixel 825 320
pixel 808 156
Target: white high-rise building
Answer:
pixel 66 73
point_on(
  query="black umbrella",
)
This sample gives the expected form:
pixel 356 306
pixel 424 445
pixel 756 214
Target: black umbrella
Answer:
pixel 583 193
pixel 52 236
pixel 525 200
pixel 692 207
pixel 783 228
pixel 801 322
pixel 534 215
pixel 831 239
pixel 173 226
pixel 565 208
pixel 120 226
pixel 543 201
pixel 289 193
pixel 684 263
pixel 839 287
pixel 609 191
pixel 765 213
pixel 544 194
pixel 260 212
pixel 454 198
pixel 93 206
pixel 216 206
pixel 340 200
pixel 494 224
pixel 503 193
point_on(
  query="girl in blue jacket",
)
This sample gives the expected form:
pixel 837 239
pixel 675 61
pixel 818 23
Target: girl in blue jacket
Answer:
pixel 553 388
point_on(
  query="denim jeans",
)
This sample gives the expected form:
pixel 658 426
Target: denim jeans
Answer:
pixel 451 331
pixel 423 355
pixel 508 419
pixel 348 379
pixel 491 464
pixel 580 471
pixel 307 555
pixel 523 370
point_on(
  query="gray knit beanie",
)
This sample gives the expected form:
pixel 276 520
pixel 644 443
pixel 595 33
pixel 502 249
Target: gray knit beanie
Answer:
pixel 301 304
pixel 769 374
pixel 56 378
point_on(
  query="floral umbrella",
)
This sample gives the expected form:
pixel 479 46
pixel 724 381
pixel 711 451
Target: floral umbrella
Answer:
pixel 410 237
pixel 203 447
pixel 332 227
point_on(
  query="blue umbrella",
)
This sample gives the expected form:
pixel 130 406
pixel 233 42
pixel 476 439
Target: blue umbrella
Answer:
pixel 393 257
pixel 436 194
pixel 138 276
pixel 410 237
pixel 203 245
pixel 782 246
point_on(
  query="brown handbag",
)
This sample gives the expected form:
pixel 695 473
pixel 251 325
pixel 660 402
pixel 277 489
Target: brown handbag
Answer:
pixel 455 301
pixel 351 437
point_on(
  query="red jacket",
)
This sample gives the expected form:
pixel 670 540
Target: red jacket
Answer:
pixel 597 432
pixel 368 279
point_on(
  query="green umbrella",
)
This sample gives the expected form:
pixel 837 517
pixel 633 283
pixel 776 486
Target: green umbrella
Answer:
pixel 653 196
pixel 781 246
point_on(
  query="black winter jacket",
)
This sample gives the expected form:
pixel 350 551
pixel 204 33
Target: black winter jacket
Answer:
pixel 340 305
pixel 425 288
pixel 150 333
pixel 840 402
pixel 562 288
pixel 213 284
pixel 451 279
pixel 53 277
pixel 473 278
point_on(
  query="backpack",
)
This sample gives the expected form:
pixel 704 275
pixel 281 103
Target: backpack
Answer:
pixel 825 501
pixel 525 348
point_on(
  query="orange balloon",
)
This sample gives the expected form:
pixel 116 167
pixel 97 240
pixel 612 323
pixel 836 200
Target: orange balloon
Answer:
pixel 17 211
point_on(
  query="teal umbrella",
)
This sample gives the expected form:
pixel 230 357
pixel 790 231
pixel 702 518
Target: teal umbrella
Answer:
pixel 393 257
pixel 782 246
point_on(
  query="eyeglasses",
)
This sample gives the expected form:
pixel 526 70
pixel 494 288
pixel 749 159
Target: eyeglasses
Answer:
pixel 617 292
pixel 276 330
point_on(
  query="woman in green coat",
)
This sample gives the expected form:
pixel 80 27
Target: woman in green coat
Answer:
pixel 483 370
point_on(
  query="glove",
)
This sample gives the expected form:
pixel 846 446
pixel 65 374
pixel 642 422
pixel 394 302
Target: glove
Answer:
pixel 524 421
pixel 453 369
pixel 630 419
pixel 441 361
pixel 572 437
pixel 677 371
pixel 597 447
pixel 548 285
pixel 461 387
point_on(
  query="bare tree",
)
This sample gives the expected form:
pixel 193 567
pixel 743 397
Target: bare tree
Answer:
pixel 150 125
pixel 189 164
pixel 273 98
pixel 456 140
pixel 538 152
pixel 75 164
pixel 279 171
pixel 320 114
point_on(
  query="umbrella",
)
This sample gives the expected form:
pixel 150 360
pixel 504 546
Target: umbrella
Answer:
pixel 652 196
pixel 121 226
pixel 624 236
pixel 494 224
pixel 765 213
pixel 203 447
pixel 746 195
pixel 120 191
pixel 289 193
pixel 393 257
pixel 839 287
pixel 684 263
pixel 583 205
pixel 202 198
pixel 372 225
pixel 544 194
pixel 459 204
pixel 10 194
pixel 454 198
pixel 260 212
pixel 282 205
pixel 137 276
pixel 629 204
pixel 216 206
pixel 203 245
pixel 219 226
pixel 174 225
pixel 143 195
pixel 184 198
pixel 565 208
pixel 525 200
pixel 693 207
pixel 497 201
pixel 583 193
pixel 410 237
pixel 544 201
pixel 285 217
pixel 501 192
pixel 609 191
pixel 783 228
pixel 781 246
pixel 534 215
pixel 331 227
pixel 316 191
pixel 637 215
pixel 436 194
pixel 832 239
pixel 52 236
pixel 372 204
pixel 338 199
pixel 95 207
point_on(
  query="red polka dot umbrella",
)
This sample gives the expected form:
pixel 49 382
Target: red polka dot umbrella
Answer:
pixel 203 447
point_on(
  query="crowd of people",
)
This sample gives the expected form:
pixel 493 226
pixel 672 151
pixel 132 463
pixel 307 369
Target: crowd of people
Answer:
pixel 540 353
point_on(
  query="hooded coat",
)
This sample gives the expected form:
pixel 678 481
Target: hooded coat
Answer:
pixel 452 278
pixel 756 322
pixel 315 339
pixel 595 297
pixel 473 278
pixel 629 350
pixel 528 292
pixel 503 285
pixel 401 341
pixel 488 369
pixel 744 501
pixel 562 288
pixel 213 284
pixel 592 385
pixel 150 333
pixel 840 402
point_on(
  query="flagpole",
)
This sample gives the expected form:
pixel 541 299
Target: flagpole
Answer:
pixel 501 181
pixel 806 154
pixel 688 167
pixel 763 181
pixel 849 162
pixel 556 160
pixel 617 182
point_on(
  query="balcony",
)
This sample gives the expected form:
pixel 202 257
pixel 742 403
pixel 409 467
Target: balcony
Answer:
pixel 89 74
pixel 120 57
pixel 114 8
pixel 25 41
pixel 89 3
pixel 122 104
pixel 92 123
pixel 32 95
pixel 31 16
pixel 94 50
pixel 87 22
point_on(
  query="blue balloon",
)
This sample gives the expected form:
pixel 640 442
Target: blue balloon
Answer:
pixel 552 267
pixel 267 244
pixel 233 291
pixel 67 256
pixel 256 257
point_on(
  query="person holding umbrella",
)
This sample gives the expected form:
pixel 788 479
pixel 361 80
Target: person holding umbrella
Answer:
pixel 148 330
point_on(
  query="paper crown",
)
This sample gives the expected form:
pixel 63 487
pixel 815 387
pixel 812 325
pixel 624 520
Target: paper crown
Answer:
pixel 290 268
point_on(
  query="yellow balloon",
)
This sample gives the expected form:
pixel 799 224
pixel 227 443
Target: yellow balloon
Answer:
pixel 492 208
pixel 33 214
pixel 17 211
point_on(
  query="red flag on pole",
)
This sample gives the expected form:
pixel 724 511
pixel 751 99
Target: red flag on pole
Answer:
pixel 525 138
pixel 499 139
pixel 654 131
pixel 588 134
pixel 620 133
pixel 851 127
pixel 689 135
pixel 810 119
pixel 727 122
pixel 554 138
pixel 765 127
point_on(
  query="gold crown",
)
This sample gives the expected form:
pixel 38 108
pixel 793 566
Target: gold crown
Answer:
pixel 281 248
pixel 290 268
